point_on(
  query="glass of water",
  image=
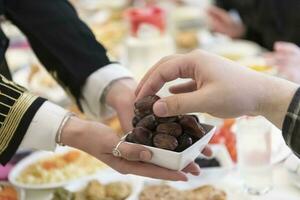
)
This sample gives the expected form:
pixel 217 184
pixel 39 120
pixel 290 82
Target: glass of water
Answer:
pixel 254 154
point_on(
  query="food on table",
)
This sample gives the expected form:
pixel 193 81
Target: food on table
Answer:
pixel 225 136
pixel 206 192
pixel 175 133
pixel 8 192
pixel 118 190
pixel 157 192
pixel 60 167
pixel 187 39
pixel 62 194
pixel 165 192
pixel 96 191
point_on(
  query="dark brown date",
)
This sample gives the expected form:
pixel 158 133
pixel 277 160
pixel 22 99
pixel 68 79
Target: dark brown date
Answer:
pixel 165 141
pixel 191 126
pixel 129 138
pixel 142 136
pixel 184 142
pixel 172 128
pixel 135 121
pixel 161 120
pixel 144 106
pixel 148 122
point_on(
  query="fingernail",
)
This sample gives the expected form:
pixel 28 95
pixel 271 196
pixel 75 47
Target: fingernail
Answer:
pixel 160 108
pixel 145 156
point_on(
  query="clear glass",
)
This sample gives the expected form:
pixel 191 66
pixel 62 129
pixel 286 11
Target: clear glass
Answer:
pixel 254 154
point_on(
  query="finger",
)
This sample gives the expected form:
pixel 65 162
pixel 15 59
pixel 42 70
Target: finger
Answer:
pixel 207 152
pixel 184 87
pixel 135 152
pixel 178 67
pixel 143 169
pixel 192 168
pixel 124 117
pixel 164 59
pixel 285 47
pixel 176 104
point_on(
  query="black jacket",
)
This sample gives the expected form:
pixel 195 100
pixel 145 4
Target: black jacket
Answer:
pixel 268 21
pixel 64 45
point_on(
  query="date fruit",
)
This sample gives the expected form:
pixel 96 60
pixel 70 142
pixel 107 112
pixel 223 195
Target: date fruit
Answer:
pixel 148 122
pixel 191 126
pixel 172 128
pixel 144 106
pixel 167 119
pixel 135 121
pixel 142 136
pixel 184 142
pixel 165 141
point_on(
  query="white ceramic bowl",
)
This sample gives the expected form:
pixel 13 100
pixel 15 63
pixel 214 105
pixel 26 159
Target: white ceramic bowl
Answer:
pixel 179 160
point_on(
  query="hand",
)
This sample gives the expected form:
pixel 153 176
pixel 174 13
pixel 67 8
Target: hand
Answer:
pixel 121 97
pixel 286 57
pixel 222 22
pixel 99 140
pixel 219 87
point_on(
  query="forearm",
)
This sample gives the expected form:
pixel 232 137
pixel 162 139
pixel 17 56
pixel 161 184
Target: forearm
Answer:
pixel 275 101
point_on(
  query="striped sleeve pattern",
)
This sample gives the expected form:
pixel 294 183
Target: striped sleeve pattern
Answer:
pixel 17 108
pixel 291 125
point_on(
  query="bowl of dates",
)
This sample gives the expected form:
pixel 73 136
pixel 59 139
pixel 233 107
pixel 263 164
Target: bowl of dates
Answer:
pixel 174 141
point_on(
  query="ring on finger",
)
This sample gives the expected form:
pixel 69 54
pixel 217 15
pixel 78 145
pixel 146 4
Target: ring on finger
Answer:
pixel 116 152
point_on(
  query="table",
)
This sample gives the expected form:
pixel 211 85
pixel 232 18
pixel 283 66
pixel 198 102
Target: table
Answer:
pixel 226 179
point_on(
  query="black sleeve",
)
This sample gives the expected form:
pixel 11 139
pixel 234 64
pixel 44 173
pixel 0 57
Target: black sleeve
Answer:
pixel 17 109
pixel 291 125
pixel 62 42
pixel 225 4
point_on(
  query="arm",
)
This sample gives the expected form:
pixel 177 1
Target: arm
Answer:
pixel 33 122
pixel 70 52
pixel 224 89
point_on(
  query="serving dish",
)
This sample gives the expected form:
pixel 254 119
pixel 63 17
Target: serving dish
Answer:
pixel 179 160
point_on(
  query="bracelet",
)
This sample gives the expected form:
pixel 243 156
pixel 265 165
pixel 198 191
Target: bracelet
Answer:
pixel 61 126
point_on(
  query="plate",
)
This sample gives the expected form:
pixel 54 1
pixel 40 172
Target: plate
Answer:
pixel 18 169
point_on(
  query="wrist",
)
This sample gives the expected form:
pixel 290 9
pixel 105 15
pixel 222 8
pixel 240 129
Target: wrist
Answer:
pixel 119 91
pixel 73 132
pixel 274 103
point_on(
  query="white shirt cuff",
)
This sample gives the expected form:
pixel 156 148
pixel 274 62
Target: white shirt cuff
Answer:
pixel 95 85
pixel 42 130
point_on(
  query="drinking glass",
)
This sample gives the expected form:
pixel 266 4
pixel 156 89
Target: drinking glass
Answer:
pixel 254 154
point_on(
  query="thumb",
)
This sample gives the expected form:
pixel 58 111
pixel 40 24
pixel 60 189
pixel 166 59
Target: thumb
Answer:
pixel 176 104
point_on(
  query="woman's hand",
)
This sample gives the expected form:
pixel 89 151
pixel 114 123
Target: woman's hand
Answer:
pixel 99 140
pixel 219 87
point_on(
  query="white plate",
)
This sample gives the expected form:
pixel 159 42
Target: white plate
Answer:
pixel 33 158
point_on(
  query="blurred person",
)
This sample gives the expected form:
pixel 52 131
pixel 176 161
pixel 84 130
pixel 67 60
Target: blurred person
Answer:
pixel 224 89
pixel 263 22
pixel 266 22
pixel 286 57
pixel 70 52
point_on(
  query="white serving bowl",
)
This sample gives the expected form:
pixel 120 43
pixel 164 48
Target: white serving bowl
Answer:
pixel 179 160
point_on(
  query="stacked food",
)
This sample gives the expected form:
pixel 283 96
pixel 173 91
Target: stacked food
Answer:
pixel 175 133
